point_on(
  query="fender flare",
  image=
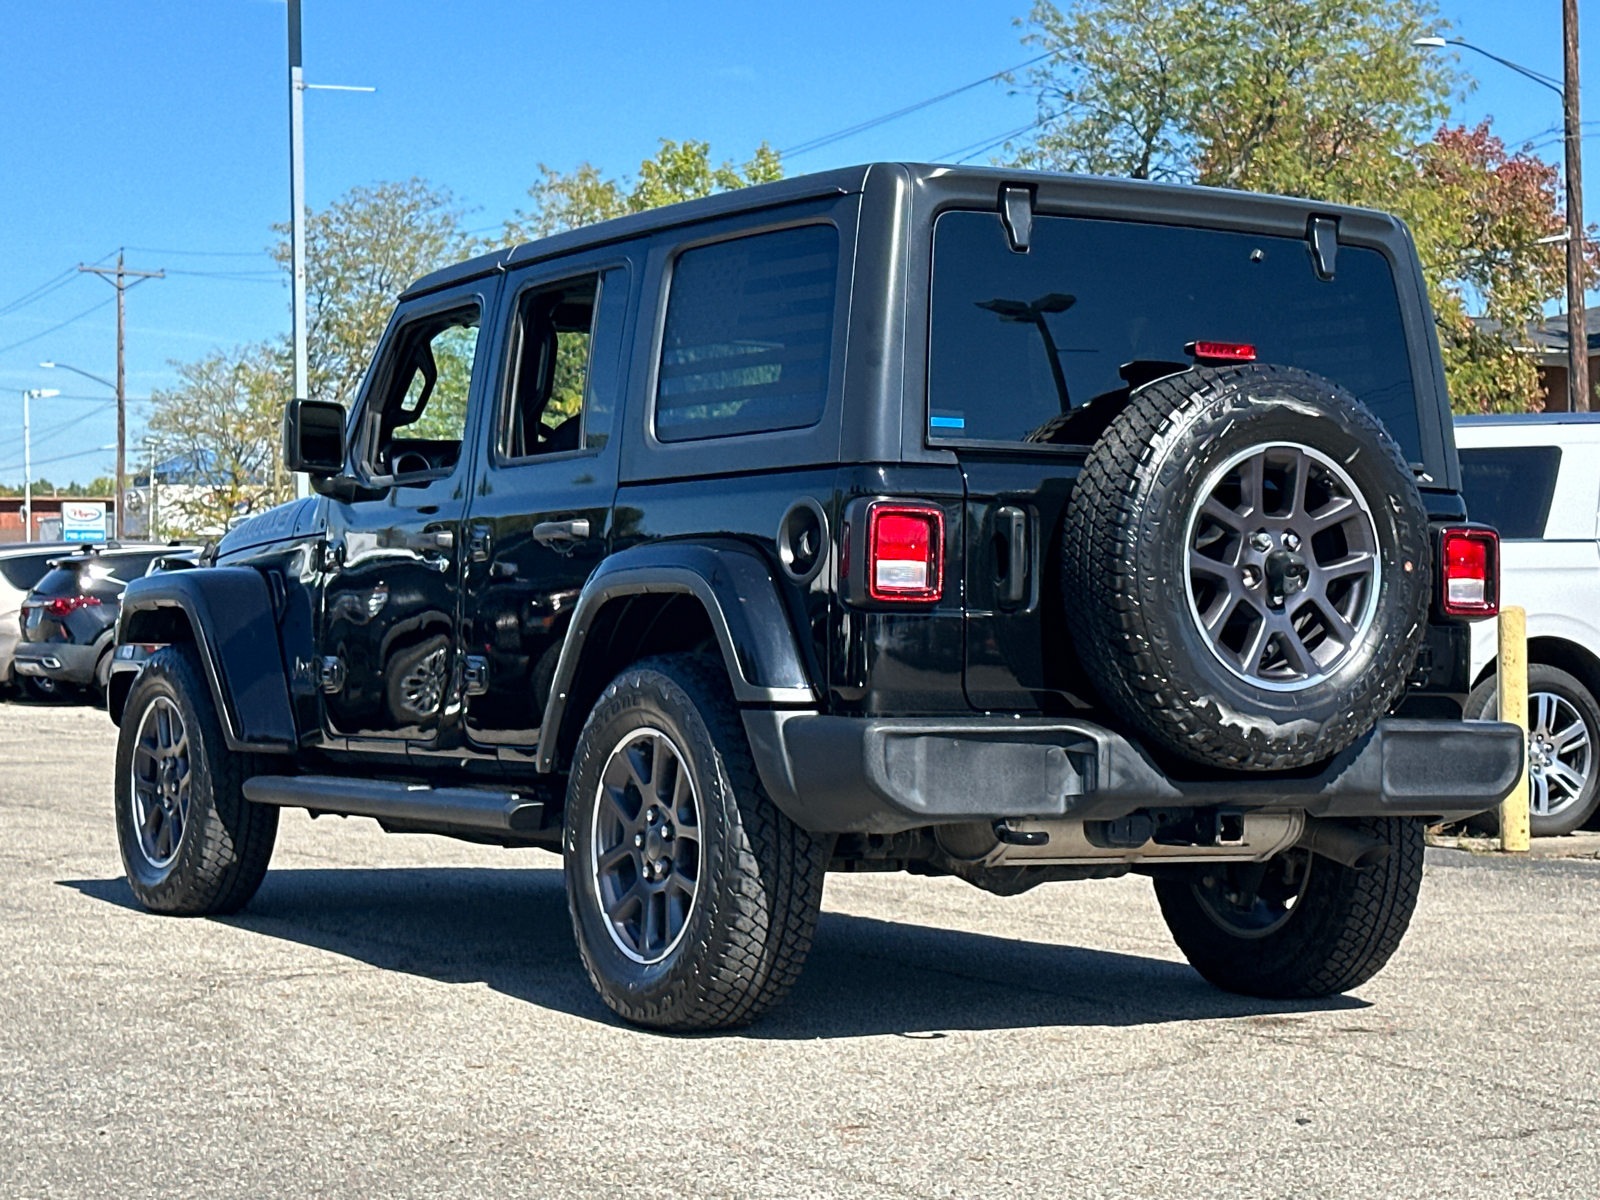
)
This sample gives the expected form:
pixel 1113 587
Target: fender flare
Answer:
pixel 230 617
pixel 736 586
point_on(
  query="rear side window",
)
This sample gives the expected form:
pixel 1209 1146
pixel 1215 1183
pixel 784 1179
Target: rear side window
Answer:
pixel 748 341
pixel 23 571
pixel 1107 301
pixel 1510 487
pixel 58 581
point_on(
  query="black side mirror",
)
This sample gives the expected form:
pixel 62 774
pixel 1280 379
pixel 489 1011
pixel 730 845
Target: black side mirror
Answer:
pixel 313 437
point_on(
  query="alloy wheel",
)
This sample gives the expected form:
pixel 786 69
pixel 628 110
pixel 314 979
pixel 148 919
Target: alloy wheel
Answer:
pixel 162 775
pixel 1560 754
pixel 645 849
pixel 1281 566
pixel 1251 900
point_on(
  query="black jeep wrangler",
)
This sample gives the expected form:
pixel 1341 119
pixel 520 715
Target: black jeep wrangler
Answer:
pixel 961 522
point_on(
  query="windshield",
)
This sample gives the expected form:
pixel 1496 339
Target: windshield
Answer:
pixel 1097 297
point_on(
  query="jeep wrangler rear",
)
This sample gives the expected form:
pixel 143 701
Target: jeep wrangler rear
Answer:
pixel 1013 527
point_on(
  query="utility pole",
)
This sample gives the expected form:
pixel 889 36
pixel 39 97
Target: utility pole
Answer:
pixel 1577 317
pixel 119 279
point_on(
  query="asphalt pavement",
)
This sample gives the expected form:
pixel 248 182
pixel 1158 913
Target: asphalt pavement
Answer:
pixel 406 1016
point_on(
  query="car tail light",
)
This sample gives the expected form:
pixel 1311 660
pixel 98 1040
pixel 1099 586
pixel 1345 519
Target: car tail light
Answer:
pixel 1470 564
pixel 1221 352
pixel 65 606
pixel 904 552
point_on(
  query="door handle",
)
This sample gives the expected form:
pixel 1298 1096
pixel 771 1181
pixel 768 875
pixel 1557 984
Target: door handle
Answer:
pixel 549 533
pixel 1011 527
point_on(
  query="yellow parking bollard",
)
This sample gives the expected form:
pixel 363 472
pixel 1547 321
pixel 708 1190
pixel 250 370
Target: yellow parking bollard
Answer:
pixel 1512 688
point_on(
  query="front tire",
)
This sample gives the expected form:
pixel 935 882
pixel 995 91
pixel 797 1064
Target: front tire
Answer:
pixel 693 898
pixel 191 844
pixel 1299 926
pixel 1563 744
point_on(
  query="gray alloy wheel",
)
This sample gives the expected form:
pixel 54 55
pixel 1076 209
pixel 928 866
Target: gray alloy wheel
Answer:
pixel 1560 755
pixel 1282 565
pixel 1253 900
pixel 159 782
pixel 1563 765
pixel 644 852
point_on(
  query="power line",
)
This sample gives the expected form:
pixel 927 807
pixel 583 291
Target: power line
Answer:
pixel 43 333
pixel 828 139
pixel 204 253
pixel 45 435
pixel 38 293
pixel 44 462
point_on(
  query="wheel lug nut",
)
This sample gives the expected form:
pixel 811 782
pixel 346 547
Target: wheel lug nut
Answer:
pixel 1291 541
pixel 1251 576
pixel 638 841
pixel 1261 540
pixel 662 867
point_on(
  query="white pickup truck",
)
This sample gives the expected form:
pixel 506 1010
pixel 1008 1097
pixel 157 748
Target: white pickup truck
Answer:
pixel 1537 480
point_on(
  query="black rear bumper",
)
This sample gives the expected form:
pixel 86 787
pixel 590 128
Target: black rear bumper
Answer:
pixel 883 775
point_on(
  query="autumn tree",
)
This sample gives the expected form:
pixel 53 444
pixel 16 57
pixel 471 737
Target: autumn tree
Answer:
pixel 1319 98
pixel 679 171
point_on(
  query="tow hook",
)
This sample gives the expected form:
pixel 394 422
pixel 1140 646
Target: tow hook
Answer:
pixel 1020 837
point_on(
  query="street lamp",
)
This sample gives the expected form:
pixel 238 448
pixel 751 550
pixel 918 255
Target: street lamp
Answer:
pixel 79 371
pixel 1577 318
pixel 27 457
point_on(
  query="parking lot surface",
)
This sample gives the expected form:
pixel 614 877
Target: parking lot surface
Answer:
pixel 406 1016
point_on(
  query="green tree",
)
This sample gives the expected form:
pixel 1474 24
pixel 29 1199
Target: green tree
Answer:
pixel 362 251
pixel 679 171
pixel 222 423
pixel 1319 98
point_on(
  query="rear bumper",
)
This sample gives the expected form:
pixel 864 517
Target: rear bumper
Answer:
pixel 862 775
pixel 61 661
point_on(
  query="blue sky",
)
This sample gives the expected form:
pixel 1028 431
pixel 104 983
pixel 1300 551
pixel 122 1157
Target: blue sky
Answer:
pixel 161 125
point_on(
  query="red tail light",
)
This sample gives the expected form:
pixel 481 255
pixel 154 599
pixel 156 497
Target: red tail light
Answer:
pixel 1469 562
pixel 1221 352
pixel 904 545
pixel 65 606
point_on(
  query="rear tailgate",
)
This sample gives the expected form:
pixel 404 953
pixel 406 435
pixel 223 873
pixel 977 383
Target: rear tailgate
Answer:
pixel 1033 353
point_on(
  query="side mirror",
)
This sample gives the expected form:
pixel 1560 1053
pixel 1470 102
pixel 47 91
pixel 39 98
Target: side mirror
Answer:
pixel 313 437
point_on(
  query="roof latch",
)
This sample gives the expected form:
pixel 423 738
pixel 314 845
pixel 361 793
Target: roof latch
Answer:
pixel 1016 211
pixel 1323 234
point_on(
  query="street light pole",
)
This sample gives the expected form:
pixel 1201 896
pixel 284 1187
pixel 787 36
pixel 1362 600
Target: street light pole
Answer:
pixel 27 457
pixel 1577 316
pixel 297 199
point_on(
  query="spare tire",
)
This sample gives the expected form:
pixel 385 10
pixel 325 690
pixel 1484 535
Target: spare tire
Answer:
pixel 1247 567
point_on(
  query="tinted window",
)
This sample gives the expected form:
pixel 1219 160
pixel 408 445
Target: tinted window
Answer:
pixel 749 335
pixel 1101 294
pixel 1511 487
pixel 25 570
pixel 58 581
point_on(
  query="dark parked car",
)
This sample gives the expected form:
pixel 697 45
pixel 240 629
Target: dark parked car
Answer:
pixel 69 618
pixel 1012 527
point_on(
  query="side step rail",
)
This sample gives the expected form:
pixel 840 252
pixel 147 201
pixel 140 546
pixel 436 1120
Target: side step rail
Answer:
pixel 469 808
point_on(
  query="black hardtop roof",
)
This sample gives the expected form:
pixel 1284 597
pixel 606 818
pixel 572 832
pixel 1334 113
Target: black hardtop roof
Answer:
pixel 1133 197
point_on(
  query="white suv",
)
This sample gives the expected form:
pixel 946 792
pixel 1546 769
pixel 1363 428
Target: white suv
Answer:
pixel 1537 480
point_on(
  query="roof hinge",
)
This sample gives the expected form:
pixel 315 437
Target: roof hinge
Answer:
pixel 1323 234
pixel 1016 211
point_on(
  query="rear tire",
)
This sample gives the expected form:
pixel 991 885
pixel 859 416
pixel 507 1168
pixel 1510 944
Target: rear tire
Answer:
pixel 191 844
pixel 693 898
pixel 1336 931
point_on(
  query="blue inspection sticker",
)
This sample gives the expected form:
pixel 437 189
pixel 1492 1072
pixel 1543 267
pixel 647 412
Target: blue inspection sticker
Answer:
pixel 947 421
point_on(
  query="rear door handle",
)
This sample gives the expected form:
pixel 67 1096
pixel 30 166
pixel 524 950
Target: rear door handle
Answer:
pixel 548 533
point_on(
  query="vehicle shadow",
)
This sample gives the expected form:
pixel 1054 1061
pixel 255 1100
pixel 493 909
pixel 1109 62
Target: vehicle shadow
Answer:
pixel 510 930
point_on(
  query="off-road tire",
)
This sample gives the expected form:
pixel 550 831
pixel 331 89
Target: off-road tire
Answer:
pixel 760 884
pixel 226 841
pixel 1343 929
pixel 1125 575
pixel 1482 705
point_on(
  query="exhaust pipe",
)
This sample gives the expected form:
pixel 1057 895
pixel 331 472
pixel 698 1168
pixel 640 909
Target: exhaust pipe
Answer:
pixel 1343 845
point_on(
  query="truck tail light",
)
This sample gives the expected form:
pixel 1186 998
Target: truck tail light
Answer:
pixel 65 606
pixel 1470 564
pixel 904 552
